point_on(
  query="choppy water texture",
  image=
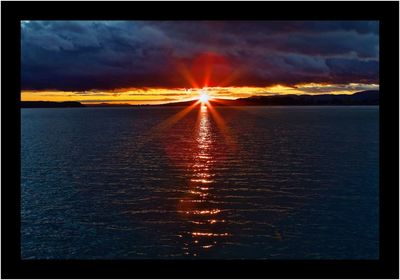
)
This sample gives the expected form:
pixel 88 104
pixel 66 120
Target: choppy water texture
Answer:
pixel 153 182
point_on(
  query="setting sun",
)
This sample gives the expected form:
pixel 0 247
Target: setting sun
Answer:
pixel 204 97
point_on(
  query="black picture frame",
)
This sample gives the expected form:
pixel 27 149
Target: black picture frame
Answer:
pixel 387 13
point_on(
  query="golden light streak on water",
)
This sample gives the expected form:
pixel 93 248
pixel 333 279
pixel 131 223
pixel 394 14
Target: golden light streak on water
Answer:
pixel 200 212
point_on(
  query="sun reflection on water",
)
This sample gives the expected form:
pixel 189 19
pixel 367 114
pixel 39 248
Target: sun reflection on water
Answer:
pixel 202 214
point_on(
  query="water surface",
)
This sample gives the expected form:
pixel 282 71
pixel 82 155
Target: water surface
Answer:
pixel 226 182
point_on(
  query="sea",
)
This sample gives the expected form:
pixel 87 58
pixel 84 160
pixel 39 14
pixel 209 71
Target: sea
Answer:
pixel 204 182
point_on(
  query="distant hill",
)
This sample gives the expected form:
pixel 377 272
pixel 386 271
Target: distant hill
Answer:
pixel 358 98
pixel 109 105
pixel 50 104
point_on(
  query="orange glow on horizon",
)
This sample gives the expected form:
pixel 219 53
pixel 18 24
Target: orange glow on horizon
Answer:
pixel 136 96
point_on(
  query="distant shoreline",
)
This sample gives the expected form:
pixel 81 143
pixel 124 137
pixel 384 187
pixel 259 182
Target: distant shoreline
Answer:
pixel 364 98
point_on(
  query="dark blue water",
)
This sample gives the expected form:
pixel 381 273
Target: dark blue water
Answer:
pixel 255 182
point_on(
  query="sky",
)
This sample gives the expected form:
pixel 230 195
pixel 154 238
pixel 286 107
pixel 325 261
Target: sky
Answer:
pixel 150 62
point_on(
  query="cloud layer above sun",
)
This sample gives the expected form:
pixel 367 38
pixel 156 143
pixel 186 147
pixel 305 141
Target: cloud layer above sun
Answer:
pixel 118 56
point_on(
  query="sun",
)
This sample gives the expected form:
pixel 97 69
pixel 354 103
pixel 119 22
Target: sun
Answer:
pixel 203 97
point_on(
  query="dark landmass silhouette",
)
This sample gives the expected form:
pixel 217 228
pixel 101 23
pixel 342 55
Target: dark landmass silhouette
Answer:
pixel 50 104
pixel 369 97
pixel 109 105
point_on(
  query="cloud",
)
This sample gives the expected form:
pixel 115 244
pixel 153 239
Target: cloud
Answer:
pixel 107 55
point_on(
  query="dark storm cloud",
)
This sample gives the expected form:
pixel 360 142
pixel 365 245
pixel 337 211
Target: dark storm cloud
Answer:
pixel 88 55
